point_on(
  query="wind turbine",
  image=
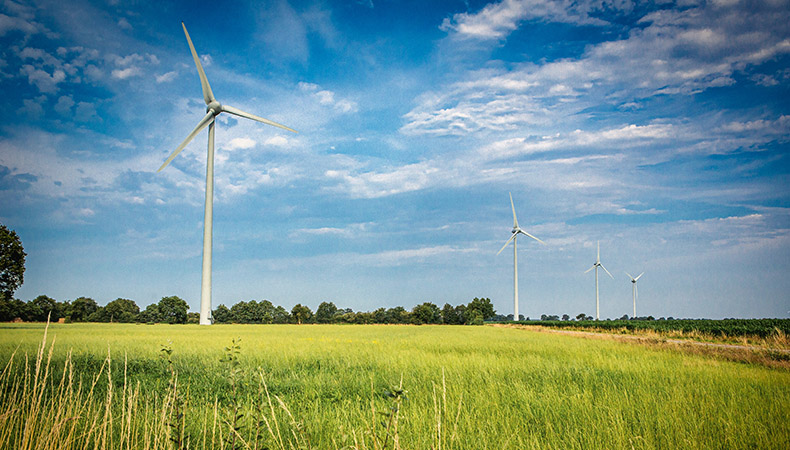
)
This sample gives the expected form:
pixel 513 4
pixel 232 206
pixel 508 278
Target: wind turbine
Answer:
pixel 516 231
pixel 633 287
pixel 595 266
pixel 213 109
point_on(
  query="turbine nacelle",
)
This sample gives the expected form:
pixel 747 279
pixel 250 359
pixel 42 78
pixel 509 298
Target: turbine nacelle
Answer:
pixel 214 107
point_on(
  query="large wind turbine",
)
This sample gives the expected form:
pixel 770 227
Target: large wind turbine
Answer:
pixel 516 231
pixel 633 287
pixel 213 109
pixel 595 266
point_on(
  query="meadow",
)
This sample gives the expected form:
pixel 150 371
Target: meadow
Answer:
pixel 373 386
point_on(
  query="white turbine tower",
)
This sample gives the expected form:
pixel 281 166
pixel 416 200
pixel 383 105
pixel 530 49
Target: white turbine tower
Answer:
pixel 633 287
pixel 516 231
pixel 595 266
pixel 213 109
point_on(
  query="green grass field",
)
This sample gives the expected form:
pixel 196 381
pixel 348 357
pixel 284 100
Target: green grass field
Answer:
pixel 467 388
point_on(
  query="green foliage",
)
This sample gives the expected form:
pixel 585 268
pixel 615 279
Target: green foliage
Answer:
pixel 301 314
pixel 120 310
pixel 481 307
pixel 426 313
pixel 173 310
pixel 222 314
pixel 12 262
pixel 326 312
pixel 81 309
pixel 43 307
pixel 150 314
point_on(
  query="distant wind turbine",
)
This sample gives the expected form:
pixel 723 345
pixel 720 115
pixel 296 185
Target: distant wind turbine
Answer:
pixel 213 109
pixel 595 266
pixel 633 287
pixel 516 231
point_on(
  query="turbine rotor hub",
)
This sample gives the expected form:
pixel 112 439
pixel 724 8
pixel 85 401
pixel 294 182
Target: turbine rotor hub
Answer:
pixel 214 107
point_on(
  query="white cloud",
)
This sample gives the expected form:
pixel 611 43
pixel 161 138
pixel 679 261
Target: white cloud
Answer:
pixel 45 82
pixel 352 230
pixel 497 20
pixel 86 112
pixel 128 72
pixel 8 23
pixel 277 141
pixel 674 52
pixel 166 77
pixel 327 98
pixel 243 143
pixel 64 105
pixel 32 108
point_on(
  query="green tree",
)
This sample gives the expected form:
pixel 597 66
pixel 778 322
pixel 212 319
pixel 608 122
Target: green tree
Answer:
pixel 482 307
pixel 82 308
pixel 11 309
pixel 12 262
pixel 42 307
pixel 380 315
pixel 222 314
pixel 398 314
pixel 426 313
pixel 150 314
pixel 281 315
pixel 301 314
pixel 119 310
pixel 325 312
pixel 266 310
pixel 453 315
pixel 173 309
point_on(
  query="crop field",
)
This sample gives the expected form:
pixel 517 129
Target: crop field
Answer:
pixel 726 328
pixel 373 386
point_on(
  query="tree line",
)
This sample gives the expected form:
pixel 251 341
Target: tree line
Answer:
pixel 175 310
pixel 84 309
pixel 474 313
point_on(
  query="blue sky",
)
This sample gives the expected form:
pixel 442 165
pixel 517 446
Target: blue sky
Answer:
pixel 660 128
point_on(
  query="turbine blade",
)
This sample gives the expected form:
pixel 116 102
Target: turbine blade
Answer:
pixel 508 242
pixel 598 258
pixel 604 268
pixel 533 237
pixel 240 113
pixel 629 276
pixel 202 124
pixel 515 221
pixel 208 96
pixel 640 275
pixel 591 268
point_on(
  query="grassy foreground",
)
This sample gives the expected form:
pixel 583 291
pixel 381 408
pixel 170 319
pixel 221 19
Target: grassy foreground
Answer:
pixel 339 386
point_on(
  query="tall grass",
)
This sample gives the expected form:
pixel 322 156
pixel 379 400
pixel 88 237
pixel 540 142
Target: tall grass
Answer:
pixel 373 387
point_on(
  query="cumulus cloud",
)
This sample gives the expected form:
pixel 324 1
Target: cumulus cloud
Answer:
pixel 64 105
pixel 243 143
pixel 44 81
pixel 127 72
pixel 9 23
pixel 497 20
pixel 277 141
pixel 166 77
pixel 327 98
pixel 679 51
